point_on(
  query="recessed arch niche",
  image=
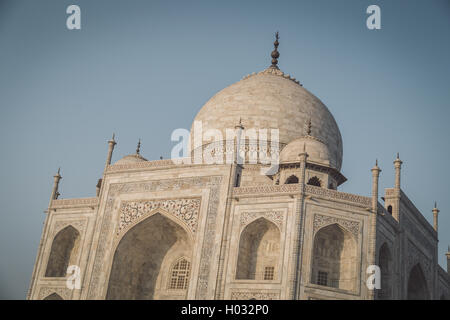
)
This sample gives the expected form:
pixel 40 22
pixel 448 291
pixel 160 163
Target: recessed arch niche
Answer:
pixel 63 253
pixel 334 258
pixel 259 251
pixel 417 284
pixel 144 258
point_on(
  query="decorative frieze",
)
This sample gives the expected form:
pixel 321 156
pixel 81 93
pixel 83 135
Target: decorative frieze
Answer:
pixel 63 203
pixel 186 210
pixel 80 225
pixel 321 221
pixel 337 195
pixel 276 217
pixel 266 189
pixel 257 295
pixel 63 292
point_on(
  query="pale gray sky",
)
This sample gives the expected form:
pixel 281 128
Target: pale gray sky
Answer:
pixel 144 68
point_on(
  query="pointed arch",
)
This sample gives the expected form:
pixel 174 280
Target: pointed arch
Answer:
pixel 334 258
pixel 53 296
pixel 314 181
pixel 292 180
pixel 63 252
pixel 259 251
pixel 143 256
pixel 417 284
pixel 385 264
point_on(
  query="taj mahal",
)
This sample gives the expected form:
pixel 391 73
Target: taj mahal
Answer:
pixel 161 229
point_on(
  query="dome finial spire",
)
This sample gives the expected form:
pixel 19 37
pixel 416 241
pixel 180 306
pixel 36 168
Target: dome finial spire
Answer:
pixel 275 54
pixel 308 127
pixel 138 149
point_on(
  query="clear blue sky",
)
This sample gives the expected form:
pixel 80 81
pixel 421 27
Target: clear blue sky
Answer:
pixel 144 68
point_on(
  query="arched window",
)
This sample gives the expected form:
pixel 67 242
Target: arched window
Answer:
pixel 63 252
pixel 291 180
pixel 259 250
pixel 389 209
pixel 179 274
pixel 334 258
pixel 314 181
pixel 385 263
pixel 417 285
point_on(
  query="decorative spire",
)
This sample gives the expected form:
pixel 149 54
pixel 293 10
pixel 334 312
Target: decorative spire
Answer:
pixel 138 149
pixel 275 54
pixel 308 127
pixel 239 126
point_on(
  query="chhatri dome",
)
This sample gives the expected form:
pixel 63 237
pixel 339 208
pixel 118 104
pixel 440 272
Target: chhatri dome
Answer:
pixel 272 99
pixel 132 158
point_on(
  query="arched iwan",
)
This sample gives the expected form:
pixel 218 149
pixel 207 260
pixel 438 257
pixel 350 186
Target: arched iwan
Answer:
pixel 63 252
pixel 417 284
pixel 259 251
pixel 334 258
pixel 143 259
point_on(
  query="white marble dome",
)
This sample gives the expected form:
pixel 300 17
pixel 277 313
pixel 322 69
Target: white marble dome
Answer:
pixel 131 158
pixel 271 99
pixel 317 151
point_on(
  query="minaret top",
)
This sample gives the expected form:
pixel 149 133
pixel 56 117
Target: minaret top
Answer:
pixel 435 209
pixel 275 54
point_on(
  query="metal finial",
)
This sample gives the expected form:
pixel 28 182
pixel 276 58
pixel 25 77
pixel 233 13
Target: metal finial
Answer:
pixel 240 126
pixel 448 249
pixel 398 155
pixel 59 170
pixel 435 204
pixel 138 149
pixel 114 135
pixel 376 162
pixel 161 157
pixel 275 54
pixel 308 127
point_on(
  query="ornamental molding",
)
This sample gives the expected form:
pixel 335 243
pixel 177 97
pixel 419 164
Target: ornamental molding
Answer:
pixel 258 295
pixel 321 221
pixel 106 227
pixel 79 225
pixel 266 189
pixel 337 195
pixel 63 292
pixel 310 190
pixel 275 72
pixel 147 164
pixel 185 210
pixel 62 203
pixel 277 217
